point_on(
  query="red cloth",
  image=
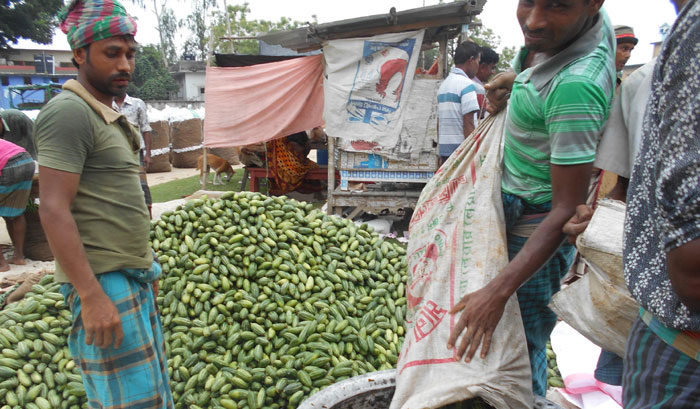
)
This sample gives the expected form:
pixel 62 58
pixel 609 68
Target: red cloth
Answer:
pixel 248 105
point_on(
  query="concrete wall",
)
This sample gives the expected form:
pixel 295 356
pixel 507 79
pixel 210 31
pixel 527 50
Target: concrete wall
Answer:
pixel 27 56
pixel 191 85
pixel 175 103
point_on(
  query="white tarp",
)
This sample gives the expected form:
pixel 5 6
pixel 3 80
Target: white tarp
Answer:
pixel 368 81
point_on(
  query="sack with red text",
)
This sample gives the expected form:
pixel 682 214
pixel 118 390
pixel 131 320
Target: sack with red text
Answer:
pixel 457 245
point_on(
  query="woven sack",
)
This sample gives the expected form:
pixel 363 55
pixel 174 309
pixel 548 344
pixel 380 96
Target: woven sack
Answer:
pixel 601 243
pixel 458 245
pixel 36 247
pixel 229 154
pixel 187 142
pixel 160 147
pixel 599 305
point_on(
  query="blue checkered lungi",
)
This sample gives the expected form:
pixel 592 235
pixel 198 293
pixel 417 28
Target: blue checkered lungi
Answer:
pixel 136 374
pixel 536 294
pixel 657 375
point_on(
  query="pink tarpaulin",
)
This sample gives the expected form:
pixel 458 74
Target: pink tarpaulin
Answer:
pixel 247 105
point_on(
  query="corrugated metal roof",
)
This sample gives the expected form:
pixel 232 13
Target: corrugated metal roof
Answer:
pixel 439 21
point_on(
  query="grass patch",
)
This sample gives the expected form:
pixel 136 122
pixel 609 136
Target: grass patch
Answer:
pixel 177 189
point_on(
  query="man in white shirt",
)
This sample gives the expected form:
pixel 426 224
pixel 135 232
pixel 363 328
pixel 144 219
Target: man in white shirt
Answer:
pixel 134 109
pixel 457 99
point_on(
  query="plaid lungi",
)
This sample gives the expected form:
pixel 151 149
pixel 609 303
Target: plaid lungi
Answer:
pixel 15 185
pixel 144 180
pixel 536 294
pixel 135 375
pixel 657 375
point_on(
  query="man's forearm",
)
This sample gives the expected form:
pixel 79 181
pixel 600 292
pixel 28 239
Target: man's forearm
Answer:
pixel 683 268
pixel 147 140
pixel 538 249
pixel 66 245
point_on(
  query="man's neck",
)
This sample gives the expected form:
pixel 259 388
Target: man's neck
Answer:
pixel 103 98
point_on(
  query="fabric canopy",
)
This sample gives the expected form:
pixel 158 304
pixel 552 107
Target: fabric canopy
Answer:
pixel 245 60
pixel 247 105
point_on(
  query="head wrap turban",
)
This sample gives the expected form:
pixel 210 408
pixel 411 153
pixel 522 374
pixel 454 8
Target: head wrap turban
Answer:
pixel 87 21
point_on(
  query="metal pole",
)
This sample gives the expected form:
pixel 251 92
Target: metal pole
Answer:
pixel 204 148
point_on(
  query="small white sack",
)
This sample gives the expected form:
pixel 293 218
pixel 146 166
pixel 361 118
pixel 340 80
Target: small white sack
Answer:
pixel 457 245
pixel 599 305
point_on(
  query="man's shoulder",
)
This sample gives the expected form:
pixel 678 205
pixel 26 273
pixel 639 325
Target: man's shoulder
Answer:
pixel 459 84
pixel 66 106
pixel 64 101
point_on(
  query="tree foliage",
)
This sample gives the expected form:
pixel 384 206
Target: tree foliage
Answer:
pixel 198 24
pixel 31 19
pixel 168 27
pixel 241 26
pixel 151 80
pixel 485 36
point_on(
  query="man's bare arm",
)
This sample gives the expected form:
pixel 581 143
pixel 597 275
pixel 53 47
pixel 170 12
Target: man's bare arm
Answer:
pixel 100 316
pixel 148 141
pixel 482 310
pixel 468 123
pixel 684 270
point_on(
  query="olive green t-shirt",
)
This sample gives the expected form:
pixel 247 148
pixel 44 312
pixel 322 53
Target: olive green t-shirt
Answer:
pixel 76 133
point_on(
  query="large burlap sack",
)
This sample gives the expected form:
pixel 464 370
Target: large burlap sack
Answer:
pixel 457 245
pixel 229 154
pixel 187 142
pixel 599 305
pixel 160 147
pixel 36 246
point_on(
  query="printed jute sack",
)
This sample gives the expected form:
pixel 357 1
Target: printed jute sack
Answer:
pixel 457 245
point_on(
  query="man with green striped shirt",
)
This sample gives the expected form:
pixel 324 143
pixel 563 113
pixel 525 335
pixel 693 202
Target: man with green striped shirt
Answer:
pixel 560 96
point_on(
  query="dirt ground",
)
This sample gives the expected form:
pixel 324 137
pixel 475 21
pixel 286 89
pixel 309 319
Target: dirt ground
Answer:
pixel 33 266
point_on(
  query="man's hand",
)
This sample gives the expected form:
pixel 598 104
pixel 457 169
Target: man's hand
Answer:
pixel 498 91
pixel 481 312
pixel 147 160
pixel 103 325
pixel 578 222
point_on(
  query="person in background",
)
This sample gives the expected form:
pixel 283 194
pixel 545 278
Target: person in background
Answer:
pixel 16 174
pixel 95 218
pixel 487 68
pixel 19 130
pixel 458 103
pixel 289 163
pixel 560 96
pixel 626 41
pixel 134 109
pixel 662 233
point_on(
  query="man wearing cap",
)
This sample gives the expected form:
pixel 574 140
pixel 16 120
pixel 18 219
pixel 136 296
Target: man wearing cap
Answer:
pixel 626 41
pixel 95 218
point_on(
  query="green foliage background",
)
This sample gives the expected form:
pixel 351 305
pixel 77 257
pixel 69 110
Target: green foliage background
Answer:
pixel 30 19
pixel 151 80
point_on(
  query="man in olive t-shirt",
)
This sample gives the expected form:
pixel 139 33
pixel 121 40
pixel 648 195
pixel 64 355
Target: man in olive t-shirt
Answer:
pixel 95 218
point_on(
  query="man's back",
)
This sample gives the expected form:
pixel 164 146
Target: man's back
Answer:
pixel 21 130
pixel 456 98
pixel 557 112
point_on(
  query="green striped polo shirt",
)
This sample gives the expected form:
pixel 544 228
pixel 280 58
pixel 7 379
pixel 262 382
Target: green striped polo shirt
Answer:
pixel 558 110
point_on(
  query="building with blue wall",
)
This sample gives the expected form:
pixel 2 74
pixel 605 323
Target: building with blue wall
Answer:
pixel 31 66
